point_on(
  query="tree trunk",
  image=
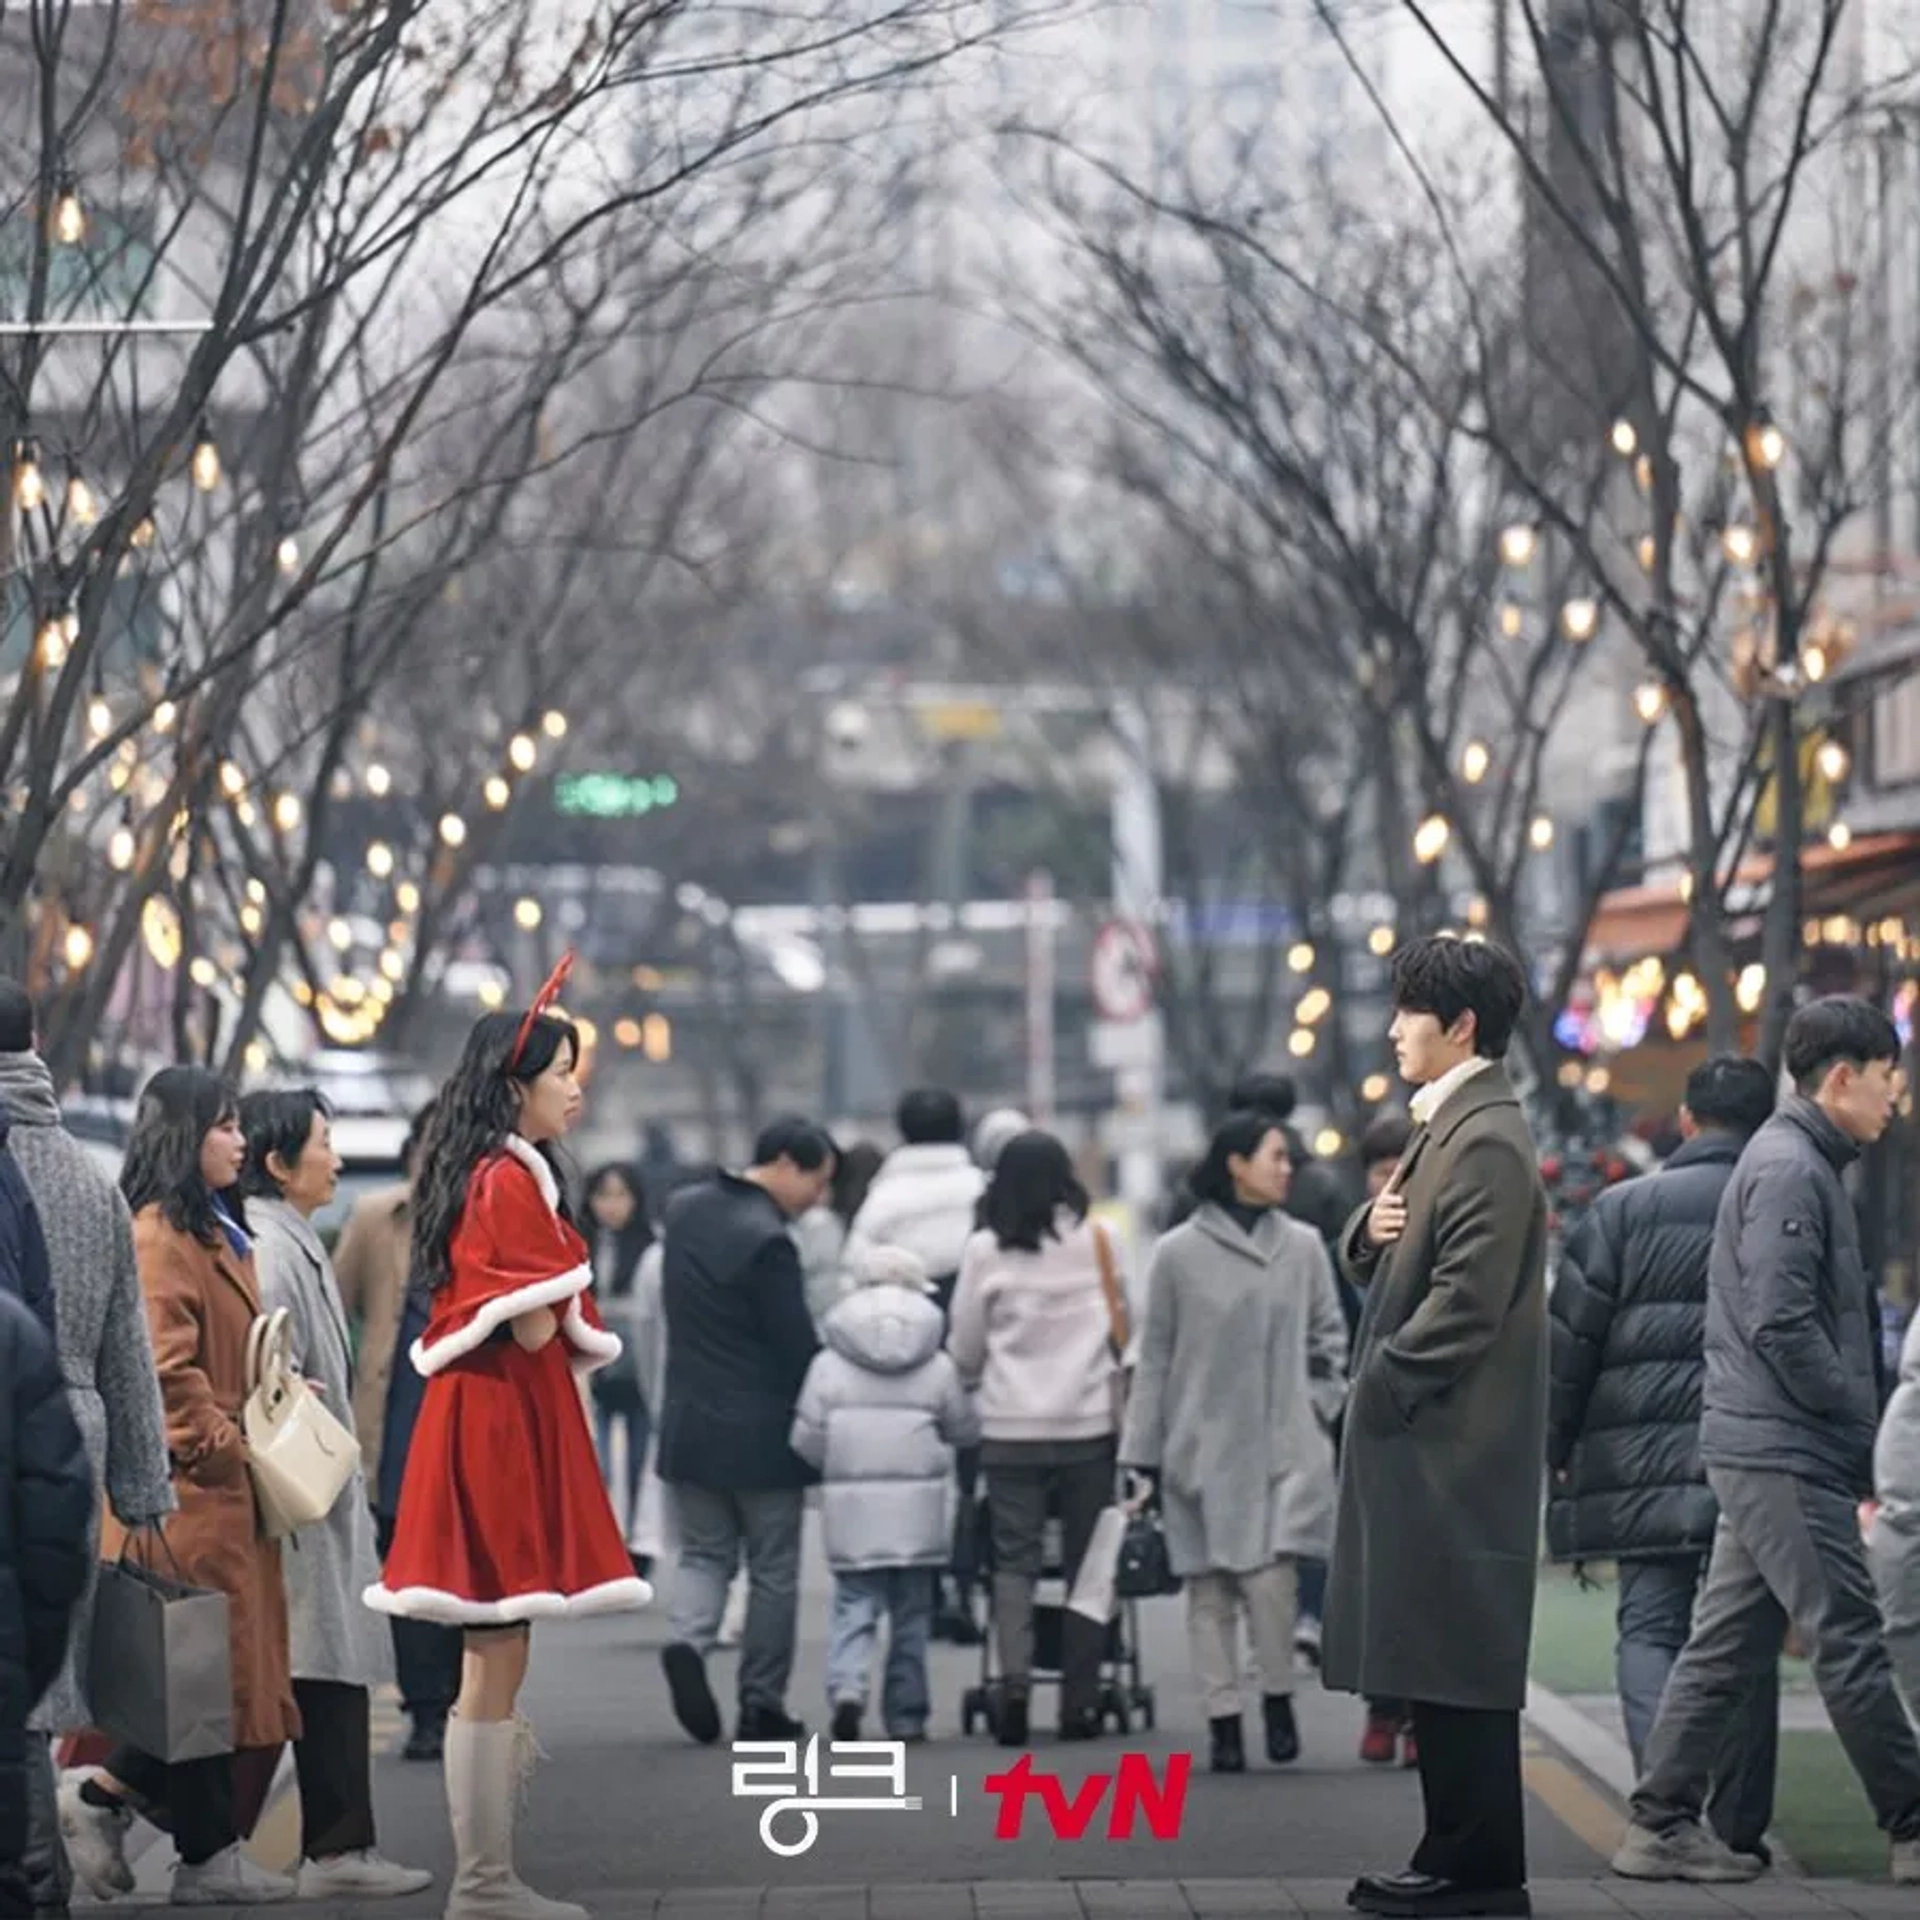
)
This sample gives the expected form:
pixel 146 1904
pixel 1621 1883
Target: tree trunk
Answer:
pixel 1708 936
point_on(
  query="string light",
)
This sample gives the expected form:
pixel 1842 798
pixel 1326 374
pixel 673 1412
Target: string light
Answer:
pixel 1814 660
pixel 393 966
pixel 406 896
pixel 1511 620
pixel 233 783
pixel 379 859
pixel 203 973
pixel 554 725
pixel 1430 838
pixel 527 915
pixel 1474 762
pixel 53 644
pixel 99 717
pixel 205 462
pixel 78 947
pixel 1313 1007
pixel 497 793
pixel 1625 441
pixel 29 489
pixel 1380 942
pixel 522 752
pixel 1581 618
pixel 120 849
pixel 453 830
pixel 1540 833
pixel 1300 1043
pixel 1517 544
pixel 164 716
pixel 1833 760
pixel 340 933
pixel 69 222
pixel 1839 836
pixel 1300 956
pixel 1650 702
pixel 379 781
pixel 287 556
pixel 1740 544
pixel 144 532
pixel 1374 1088
pixel 286 812
pixel 82 508
pixel 1328 1142
pixel 1766 444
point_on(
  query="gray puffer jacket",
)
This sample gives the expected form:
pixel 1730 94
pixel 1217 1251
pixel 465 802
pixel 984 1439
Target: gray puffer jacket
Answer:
pixel 1792 1331
pixel 880 1415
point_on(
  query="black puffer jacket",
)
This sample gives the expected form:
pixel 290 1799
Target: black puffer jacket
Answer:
pixel 46 1509
pixel 1629 1322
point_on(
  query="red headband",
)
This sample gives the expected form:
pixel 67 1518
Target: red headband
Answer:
pixel 541 1002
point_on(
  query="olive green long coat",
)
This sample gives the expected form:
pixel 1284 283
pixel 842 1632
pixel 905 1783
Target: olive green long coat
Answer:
pixel 1436 1539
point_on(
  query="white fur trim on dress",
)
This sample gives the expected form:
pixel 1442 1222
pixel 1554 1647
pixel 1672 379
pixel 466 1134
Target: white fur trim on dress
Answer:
pixel 593 1347
pixel 535 1163
pixel 430 1359
pixel 450 1609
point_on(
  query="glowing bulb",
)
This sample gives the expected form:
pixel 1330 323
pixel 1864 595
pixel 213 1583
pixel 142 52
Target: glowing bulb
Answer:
pixel 1814 660
pixel 1740 544
pixel 491 995
pixel 406 896
pixel 164 715
pixel 1430 839
pixel 379 859
pixel 1300 957
pixel 1540 833
pixel 340 933
pixel 1839 836
pixel 1649 553
pixel 379 781
pixel 1650 702
pixel 286 812
pixel 69 223
pixel 144 532
pixel 453 830
pixel 99 717
pixel 527 915
pixel 393 966
pixel 233 783
pixel 257 1056
pixel 554 725
pixel 287 556
pixel 29 489
pixel 1833 760
pixel 1374 1088
pixel 78 947
pixel 1380 942
pixel 205 463
pixel 1581 618
pixel 522 751
pixel 1747 990
pixel 203 973
pixel 120 849
pixel 1767 445
pixel 1517 544
pixel 1474 762
pixel 53 645
pixel 82 508
pixel 1625 441
pixel 626 1033
pixel 1313 1007
pixel 497 793
pixel 1511 620
pixel 1300 1043
pixel 1328 1142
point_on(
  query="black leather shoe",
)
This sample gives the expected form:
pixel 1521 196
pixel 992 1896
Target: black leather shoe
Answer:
pixel 769 1723
pixel 1427 1896
pixel 1010 1720
pixel 693 1703
pixel 1229 1753
pixel 426 1739
pixel 1283 1736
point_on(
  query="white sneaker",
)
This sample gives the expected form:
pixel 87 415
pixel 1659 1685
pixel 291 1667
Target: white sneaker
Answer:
pixel 1906 1863
pixel 1306 1641
pixel 229 1879
pixel 360 1876
pixel 1687 1853
pixel 96 1840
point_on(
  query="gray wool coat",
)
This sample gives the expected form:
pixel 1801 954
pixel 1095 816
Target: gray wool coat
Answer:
pixel 106 1352
pixel 1240 1372
pixel 330 1565
pixel 1436 1545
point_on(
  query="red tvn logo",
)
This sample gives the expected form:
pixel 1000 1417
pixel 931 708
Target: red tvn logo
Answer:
pixel 1136 1790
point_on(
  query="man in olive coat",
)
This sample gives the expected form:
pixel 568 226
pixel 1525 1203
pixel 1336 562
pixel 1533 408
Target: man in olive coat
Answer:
pixel 1430 1597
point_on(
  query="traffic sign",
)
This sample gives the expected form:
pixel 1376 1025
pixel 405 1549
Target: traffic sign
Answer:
pixel 1122 970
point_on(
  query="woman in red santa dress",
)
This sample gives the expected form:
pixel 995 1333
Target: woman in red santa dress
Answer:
pixel 504 1517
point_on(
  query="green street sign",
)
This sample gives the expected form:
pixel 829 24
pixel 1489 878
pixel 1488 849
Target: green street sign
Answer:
pixel 613 796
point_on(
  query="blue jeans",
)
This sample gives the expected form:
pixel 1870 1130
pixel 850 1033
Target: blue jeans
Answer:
pixel 639 1429
pixel 1652 1617
pixel 903 1597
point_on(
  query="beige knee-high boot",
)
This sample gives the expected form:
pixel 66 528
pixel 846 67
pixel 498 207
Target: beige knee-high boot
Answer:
pixel 488 1763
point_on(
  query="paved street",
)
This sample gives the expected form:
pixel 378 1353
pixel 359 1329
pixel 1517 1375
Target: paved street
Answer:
pixel 631 1818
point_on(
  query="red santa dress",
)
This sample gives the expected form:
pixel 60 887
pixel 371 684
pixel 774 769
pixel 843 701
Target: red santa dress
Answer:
pixel 503 1515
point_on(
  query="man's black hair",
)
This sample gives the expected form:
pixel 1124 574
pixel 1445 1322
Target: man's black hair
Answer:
pixel 277 1121
pixel 17 1023
pixel 1731 1093
pixel 1386 1138
pixel 1839 1029
pixel 794 1137
pixel 930 1117
pixel 1270 1093
pixel 1447 977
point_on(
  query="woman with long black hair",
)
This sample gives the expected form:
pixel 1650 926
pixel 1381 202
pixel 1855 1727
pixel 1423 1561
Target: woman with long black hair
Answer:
pixel 503 1517
pixel 619 1234
pixel 195 1256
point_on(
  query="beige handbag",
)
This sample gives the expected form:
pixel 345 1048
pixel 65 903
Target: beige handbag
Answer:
pixel 301 1456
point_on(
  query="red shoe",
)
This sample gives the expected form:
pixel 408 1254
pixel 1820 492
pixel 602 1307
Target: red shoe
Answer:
pixel 1409 1748
pixel 1378 1742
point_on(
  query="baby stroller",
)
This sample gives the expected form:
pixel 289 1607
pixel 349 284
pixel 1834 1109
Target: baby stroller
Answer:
pixel 1125 1697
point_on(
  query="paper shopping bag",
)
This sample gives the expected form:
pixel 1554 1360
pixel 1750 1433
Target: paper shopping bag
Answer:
pixel 162 1664
pixel 1095 1594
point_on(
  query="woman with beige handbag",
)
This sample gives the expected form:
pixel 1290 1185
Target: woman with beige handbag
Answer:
pixel 308 1477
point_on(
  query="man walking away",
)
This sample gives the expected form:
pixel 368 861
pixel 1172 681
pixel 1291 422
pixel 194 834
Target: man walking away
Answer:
pixel 1792 1407
pixel 1628 1326
pixel 924 1199
pixel 739 1341
pixel 1430 1595
pixel 46 1513
pixel 106 1360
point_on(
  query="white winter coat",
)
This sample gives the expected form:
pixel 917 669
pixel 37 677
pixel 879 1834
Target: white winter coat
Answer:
pixel 922 1199
pixel 880 1415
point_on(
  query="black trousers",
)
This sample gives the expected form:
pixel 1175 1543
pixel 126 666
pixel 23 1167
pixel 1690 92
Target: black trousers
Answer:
pixel 1475 1801
pixel 333 1761
pixel 193 1799
pixel 426 1655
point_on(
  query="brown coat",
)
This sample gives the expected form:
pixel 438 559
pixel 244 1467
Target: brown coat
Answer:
pixel 1436 1543
pixel 370 1264
pixel 201 1301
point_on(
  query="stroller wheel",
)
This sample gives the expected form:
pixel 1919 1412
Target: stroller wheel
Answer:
pixel 974 1710
pixel 1114 1705
pixel 1143 1706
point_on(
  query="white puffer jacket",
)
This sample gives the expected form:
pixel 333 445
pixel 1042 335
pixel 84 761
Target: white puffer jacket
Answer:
pixel 922 1199
pixel 880 1415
